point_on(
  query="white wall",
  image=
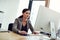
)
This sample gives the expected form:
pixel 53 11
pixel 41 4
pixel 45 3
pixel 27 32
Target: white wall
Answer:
pixel 9 7
pixel 22 4
pixel 54 5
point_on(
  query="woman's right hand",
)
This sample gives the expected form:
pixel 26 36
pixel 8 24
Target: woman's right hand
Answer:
pixel 22 32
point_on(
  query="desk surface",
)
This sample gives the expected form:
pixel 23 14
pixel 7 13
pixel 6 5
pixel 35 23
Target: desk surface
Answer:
pixel 14 36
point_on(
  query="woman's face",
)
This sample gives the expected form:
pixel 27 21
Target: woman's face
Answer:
pixel 26 14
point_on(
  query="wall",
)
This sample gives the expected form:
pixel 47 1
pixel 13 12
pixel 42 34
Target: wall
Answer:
pixel 22 4
pixel 9 7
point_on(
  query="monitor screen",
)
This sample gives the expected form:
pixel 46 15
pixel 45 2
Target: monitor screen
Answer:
pixel 44 16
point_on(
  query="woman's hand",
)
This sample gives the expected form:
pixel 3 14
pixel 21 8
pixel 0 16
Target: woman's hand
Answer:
pixel 22 32
pixel 35 33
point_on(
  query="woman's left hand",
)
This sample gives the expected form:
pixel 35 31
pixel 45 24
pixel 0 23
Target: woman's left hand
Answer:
pixel 35 33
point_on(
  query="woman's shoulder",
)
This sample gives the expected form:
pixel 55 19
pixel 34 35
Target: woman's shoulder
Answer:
pixel 29 21
pixel 18 19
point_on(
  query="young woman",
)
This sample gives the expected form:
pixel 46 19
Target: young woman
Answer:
pixel 22 23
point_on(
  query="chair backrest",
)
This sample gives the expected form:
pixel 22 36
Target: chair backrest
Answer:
pixel 0 25
pixel 10 26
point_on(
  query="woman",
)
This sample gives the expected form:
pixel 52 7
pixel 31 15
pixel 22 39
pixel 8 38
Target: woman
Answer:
pixel 22 23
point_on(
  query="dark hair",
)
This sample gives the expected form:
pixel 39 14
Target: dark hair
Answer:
pixel 24 10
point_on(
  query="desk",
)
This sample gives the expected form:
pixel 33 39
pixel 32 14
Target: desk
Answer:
pixel 14 36
pixel 11 36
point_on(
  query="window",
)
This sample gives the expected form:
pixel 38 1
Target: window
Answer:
pixel 34 10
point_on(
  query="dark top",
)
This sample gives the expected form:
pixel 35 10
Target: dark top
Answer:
pixel 24 28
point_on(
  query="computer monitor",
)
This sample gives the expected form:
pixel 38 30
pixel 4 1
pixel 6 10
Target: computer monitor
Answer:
pixel 44 16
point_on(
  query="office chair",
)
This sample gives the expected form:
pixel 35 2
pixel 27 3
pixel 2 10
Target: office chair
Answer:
pixel 0 25
pixel 10 26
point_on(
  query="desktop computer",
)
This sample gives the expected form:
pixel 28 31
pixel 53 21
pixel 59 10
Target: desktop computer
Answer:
pixel 44 20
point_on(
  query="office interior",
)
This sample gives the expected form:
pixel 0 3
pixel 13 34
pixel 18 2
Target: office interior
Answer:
pixel 11 9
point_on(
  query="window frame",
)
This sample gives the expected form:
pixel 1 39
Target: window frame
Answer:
pixel 47 2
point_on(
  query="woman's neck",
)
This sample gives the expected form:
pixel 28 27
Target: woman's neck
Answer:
pixel 24 19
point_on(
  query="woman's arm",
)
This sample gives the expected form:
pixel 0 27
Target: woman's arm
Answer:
pixel 32 29
pixel 15 26
pixel 15 29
